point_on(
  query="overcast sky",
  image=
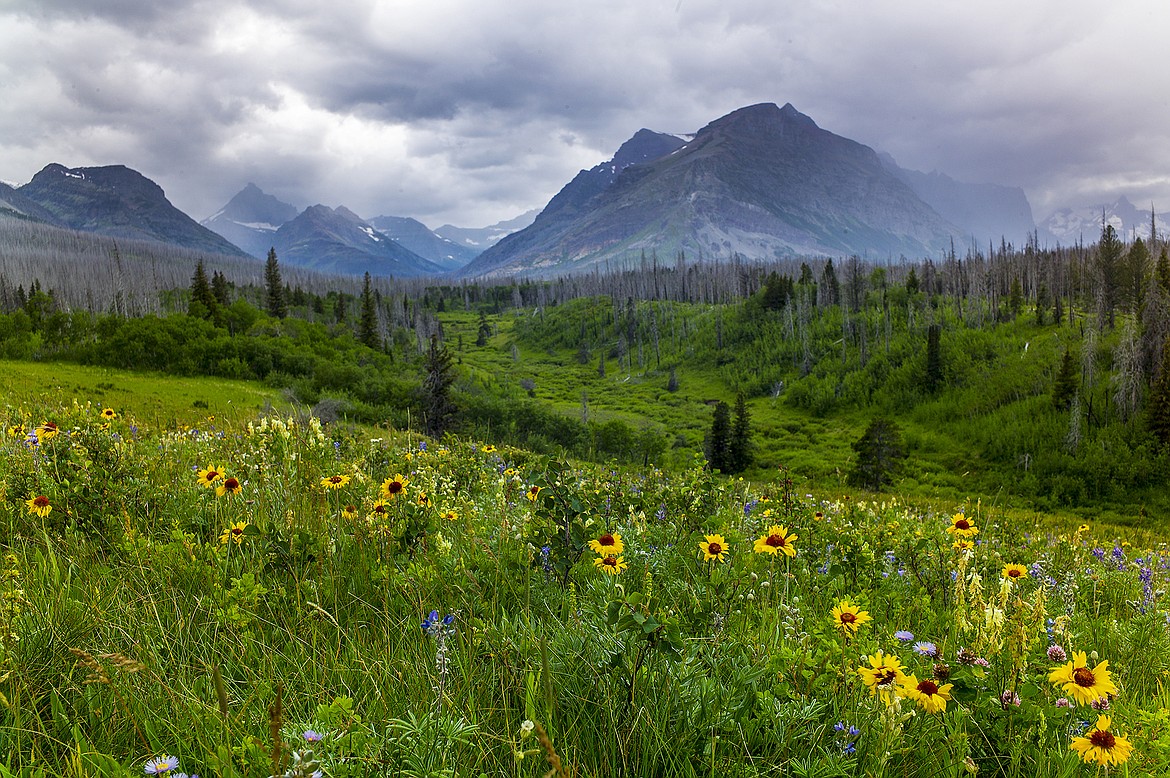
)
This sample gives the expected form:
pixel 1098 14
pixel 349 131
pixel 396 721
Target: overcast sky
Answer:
pixel 473 111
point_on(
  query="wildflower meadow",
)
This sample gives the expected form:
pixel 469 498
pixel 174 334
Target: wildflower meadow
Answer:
pixel 271 596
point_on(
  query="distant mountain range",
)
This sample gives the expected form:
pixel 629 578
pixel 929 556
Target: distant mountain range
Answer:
pixel 1070 226
pixel 762 182
pixel 339 241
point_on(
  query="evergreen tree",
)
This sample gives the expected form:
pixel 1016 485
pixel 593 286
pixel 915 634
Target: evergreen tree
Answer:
pixel 1162 271
pixel 339 308
pixel 912 282
pixel 1016 298
pixel 879 456
pixel 740 448
pixel 601 365
pixel 1108 265
pixel 275 299
pixel 1158 405
pixel 202 304
pixel 934 367
pixel 1065 386
pixel 368 324
pixel 485 330
pixel 1042 303
pixel 718 442
pixel 1136 271
pixel 672 381
pixel 219 289
pixel 438 408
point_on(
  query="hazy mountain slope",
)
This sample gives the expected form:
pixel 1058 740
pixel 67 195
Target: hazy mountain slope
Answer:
pixel 251 219
pixel 762 181
pixel 338 241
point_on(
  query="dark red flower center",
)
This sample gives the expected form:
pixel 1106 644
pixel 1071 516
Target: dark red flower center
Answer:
pixel 41 501
pixel 606 539
pixel 1083 676
pixel 379 509
pixel 231 484
pixel 714 549
pixel 962 524
pixel 394 487
pixel 334 479
pixel 928 687
pixel 887 677
pixel 351 509
pixel 1015 572
pixel 776 541
pixel 1102 739
pixel 237 530
pixel 212 475
pixel 610 561
pixel 848 618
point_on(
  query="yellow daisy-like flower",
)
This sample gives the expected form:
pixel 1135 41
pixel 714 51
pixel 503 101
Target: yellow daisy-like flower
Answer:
pixel 209 475
pixel 1102 746
pixel 931 697
pixel 17 431
pixel 532 493
pixel 335 481
pixel 714 547
pixel 1082 684
pixel 611 565
pixel 963 544
pixel 848 618
pixel 608 544
pixel 489 449
pixel 883 677
pixel 39 506
pixel 777 541
pixel 233 533
pixel 378 510
pixel 229 486
pixel 349 512
pixel 109 413
pixel 962 527
pixel 423 499
pixel 47 431
pixel 450 515
pixel 1015 572
pixel 393 488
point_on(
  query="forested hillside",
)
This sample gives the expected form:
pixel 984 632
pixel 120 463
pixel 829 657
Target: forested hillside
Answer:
pixel 1033 376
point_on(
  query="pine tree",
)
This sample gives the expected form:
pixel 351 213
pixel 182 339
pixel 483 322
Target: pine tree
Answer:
pixel 485 330
pixel 1065 386
pixel 438 408
pixel 1016 298
pixel 219 288
pixel 1135 273
pixel 1158 405
pixel 1108 265
pixel 275 299
pixel 718 442
pixel 740 448
pixel 601 365
pixel 203 304
pixel 672 381
pixel 879 456
pixel 368 324
pixel 1162 271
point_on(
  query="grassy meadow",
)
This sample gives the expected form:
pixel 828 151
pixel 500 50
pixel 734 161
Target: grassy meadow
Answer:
pixel 258 594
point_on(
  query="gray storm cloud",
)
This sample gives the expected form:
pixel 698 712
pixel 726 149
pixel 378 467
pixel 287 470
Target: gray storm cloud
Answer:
pixel 471 112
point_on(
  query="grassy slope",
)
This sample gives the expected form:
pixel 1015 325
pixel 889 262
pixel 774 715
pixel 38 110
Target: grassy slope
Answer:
pixel 978 434
pixel 156 399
